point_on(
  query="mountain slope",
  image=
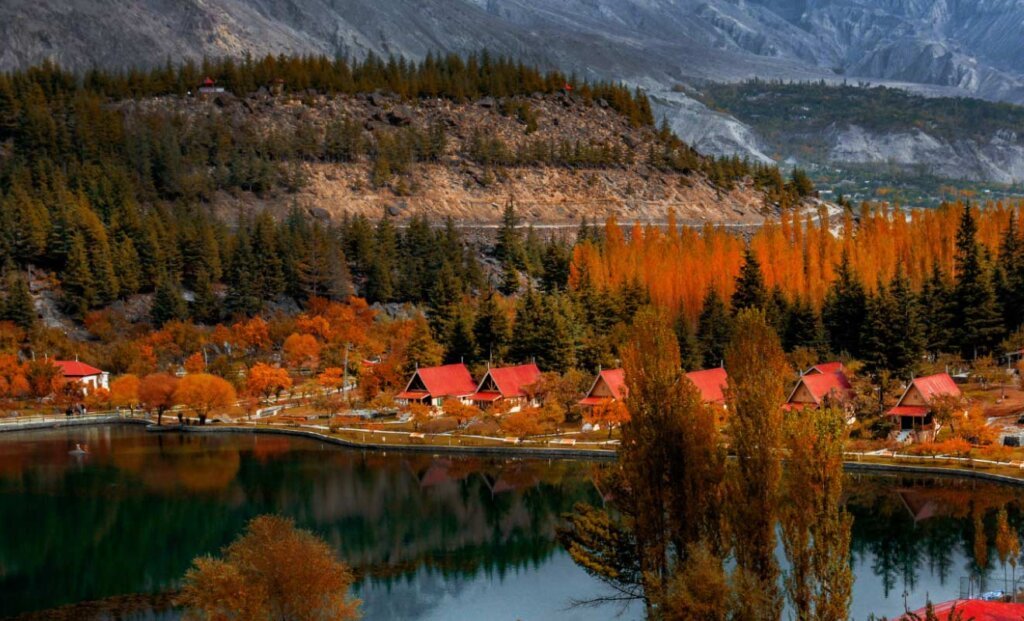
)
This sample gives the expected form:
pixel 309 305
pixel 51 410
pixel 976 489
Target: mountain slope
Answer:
pixel 937 48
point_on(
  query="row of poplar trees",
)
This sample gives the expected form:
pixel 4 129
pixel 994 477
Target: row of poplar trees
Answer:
pixel 892 327
pixel 694 537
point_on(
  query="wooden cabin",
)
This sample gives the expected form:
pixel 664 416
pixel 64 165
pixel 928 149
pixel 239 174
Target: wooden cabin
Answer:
pixel 711 383
pixel 608 386
pixel 915 412
pixel 434 385
pixel 827 383
pixel 507 386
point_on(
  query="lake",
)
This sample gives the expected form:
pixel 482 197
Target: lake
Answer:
pixel 430 537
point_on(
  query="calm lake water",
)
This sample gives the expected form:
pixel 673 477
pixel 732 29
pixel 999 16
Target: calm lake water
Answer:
pixel 433 538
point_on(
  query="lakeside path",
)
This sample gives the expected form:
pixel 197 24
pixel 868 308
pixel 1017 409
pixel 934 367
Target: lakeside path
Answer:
pixel 1011 473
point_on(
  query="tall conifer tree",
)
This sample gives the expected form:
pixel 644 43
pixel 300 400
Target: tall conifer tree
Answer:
pixel 977 314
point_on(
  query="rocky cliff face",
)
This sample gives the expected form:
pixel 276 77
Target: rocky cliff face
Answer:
pixel 1000 159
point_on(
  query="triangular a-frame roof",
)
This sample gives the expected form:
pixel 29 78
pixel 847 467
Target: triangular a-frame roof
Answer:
pixel 511 380
pixel 711 383
pixel 450 380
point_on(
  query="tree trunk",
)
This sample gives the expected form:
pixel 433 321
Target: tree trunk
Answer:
pixel 202 419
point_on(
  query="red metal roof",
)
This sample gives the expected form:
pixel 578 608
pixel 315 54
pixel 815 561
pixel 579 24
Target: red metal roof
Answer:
pixel 486 396
pixel 975 609
pixel 918 411
pixel 510 380
pixel 450 380
pixel 74 368
pixel 820 385
pixel 938 385
pixel 826 368
pixel 616 380
pixel 710 383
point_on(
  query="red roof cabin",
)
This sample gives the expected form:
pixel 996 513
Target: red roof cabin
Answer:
pixel 820 384
pixel 711 383
pixel 433 385
pixel 973 609
pixel 507 385
pixel 915 409
pixel 88 376
pixel 608 386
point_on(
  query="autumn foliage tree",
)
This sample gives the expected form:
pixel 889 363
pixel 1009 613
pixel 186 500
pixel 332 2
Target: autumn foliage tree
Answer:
pixel 195 363
pixel 302 351
pixel 273 571
pixel 266 380
pixel 124 391
pixel 608 414
pixel 157 393
pixel 815 525
pixel 203 393
pixel 757 370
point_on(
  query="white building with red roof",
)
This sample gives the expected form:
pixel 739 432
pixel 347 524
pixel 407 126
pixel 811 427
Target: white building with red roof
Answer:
pixel 508 385
pixel 608 386
pixel 915 411
pixel 88 376
pixel 433 385
pixel 711 383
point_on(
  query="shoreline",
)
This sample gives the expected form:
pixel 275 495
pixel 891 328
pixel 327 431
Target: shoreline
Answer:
pixel 852 466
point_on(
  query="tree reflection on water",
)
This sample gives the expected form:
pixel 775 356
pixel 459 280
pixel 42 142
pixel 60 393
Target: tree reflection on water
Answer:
pixel 131 516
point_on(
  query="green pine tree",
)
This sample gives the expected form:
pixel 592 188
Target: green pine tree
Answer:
pixel 907 335
pixel 937 312
pixel 206 307
pixel 18 306
pixel 168 303
pixel 445 302
pixel 689 348
pixel 491 330
pixel 845 309
pixel 557 334
pixel 714 329
pixel 977 314
pixel 79 292
pixel 1009 276
pixel 877 330
pixel 750 288
pixel 461 340
pixel 527 338
pixel 802 327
